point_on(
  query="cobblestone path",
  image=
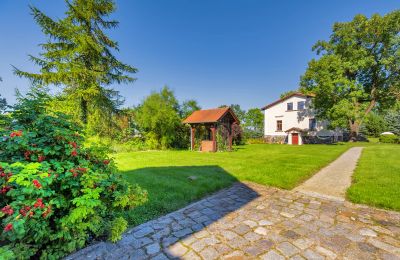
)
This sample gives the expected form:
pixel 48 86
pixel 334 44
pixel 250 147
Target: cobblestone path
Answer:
pixel 334 179
pixel 249 221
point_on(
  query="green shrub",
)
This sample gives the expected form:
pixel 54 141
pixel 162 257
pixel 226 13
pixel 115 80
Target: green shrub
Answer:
pixel 56 195
pixel 390 139
pixel 255 141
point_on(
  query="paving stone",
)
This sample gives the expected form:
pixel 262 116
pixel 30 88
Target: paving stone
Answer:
pixel 310 254
pixel 235 255
pixel 144 231
pixel 367 232
pixel 241 229
pixel 290 234
pixel 250 223
pixel 187 241
pixel 160 256
pixel 191 255
pixel 222 249
pixel 287 214
pixel 135 254
pixel 209 253
pixel 253 221
pixel 252 236
pixel 182 232
pixel 201 234
pixel 306 217
pixel 326 252
pixel 176 250
pixel 265 222
pixel 272 255
pixel 297 257
pixel 287 249
pixel 254 250
pixel 153 248
pixel 367 247
pixel 227 234
pixel 261 231
pixel 167 241
pixel 303 243
pixel 384 246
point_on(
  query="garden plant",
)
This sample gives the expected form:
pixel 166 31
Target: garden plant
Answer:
pixel 55 195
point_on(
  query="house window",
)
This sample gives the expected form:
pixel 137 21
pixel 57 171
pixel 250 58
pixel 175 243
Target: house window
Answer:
pixel 300 105
pixel 279 125
pixel 290 106
pixel 312 124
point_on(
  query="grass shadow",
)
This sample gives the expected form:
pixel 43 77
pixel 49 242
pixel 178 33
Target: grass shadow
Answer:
pixel 170 188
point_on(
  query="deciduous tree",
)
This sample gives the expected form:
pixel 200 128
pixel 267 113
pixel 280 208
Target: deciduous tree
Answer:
pixel 188 107
pixel 158 117
pixel 358 70
pixel 254 123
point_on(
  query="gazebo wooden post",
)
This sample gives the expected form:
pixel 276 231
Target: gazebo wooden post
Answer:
pixel 214 138
pixel 192 136
pixel 230 137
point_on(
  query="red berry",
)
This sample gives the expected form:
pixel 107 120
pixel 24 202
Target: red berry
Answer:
pixel 41 158
pixel 7 210
pixel 37 184
pixel 27 155
pixel 39 203
pixel 8 227
pixel 106 162
pixel 74 152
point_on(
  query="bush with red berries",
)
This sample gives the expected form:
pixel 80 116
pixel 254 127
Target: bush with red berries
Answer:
pixel 55 195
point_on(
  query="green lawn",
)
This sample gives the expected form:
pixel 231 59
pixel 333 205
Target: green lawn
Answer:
pixel 376 180
pixel 164 173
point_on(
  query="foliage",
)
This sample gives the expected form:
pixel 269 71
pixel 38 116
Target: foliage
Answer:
pixel 3 105
pixel 392 119
pixel 389 139
pixel 358 70
pixel 118 226
pixel 374 125
pixel 254 123
pixel 237 134
pixel 55 194
pixel 79 56
pixel 239 112
pixel 158 117
pixel 188 107
pixel 222 142
pixel 255 141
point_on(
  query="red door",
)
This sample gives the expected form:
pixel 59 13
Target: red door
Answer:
pixel 295 138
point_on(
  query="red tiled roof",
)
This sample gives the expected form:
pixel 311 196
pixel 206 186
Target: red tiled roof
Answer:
pixel 299 94
pixel 209 115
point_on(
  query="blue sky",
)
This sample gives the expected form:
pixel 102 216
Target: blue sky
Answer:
pixel 245 52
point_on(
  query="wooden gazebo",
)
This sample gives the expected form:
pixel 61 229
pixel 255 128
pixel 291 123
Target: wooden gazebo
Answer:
pixel 212 120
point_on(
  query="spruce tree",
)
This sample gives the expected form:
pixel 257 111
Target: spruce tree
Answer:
pixel 79 56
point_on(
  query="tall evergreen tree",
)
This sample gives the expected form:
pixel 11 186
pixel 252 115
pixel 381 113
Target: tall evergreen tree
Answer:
pixel 78 56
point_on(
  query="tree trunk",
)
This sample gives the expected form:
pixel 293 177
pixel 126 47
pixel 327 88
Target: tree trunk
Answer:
pixel 84 111
pixel 354 130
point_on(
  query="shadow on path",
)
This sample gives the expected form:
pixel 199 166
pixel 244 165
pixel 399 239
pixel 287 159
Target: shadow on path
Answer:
pixel 170 189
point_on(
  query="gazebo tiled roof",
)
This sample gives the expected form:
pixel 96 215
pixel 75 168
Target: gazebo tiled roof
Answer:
pixel 209 116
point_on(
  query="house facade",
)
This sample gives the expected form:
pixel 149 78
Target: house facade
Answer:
pixel 291 120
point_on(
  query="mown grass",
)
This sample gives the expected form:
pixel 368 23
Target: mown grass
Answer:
pixel 376 180
pixel 165 173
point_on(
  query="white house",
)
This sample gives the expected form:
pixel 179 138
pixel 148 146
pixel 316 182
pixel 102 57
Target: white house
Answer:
pixel 291 120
